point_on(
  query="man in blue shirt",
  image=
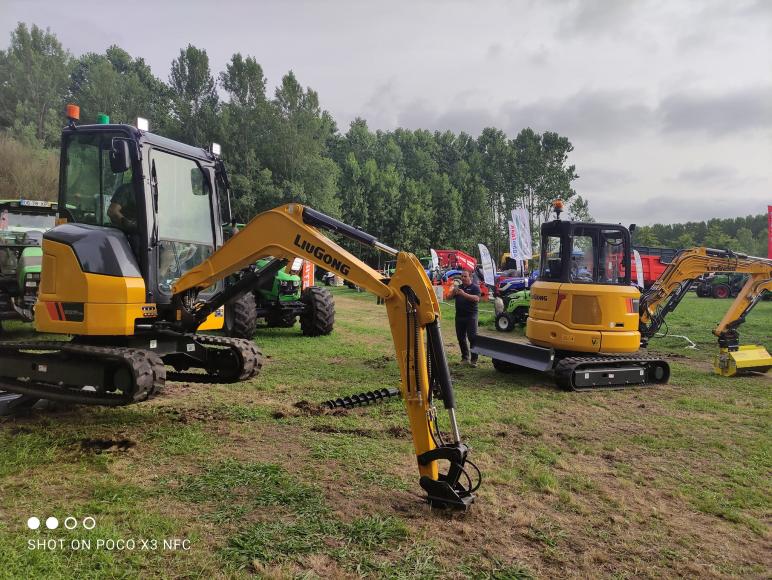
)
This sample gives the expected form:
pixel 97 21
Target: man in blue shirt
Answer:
pixel 467 295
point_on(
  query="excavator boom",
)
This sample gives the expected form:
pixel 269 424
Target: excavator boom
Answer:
pixel 413 311
pixel 670 288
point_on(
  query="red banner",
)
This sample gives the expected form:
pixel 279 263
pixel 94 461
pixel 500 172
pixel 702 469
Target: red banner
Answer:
pixel 769 231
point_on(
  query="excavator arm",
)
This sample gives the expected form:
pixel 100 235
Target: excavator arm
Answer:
pixel 414 317
pixel 670 288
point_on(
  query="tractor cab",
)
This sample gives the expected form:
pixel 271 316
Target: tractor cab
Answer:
pixel 155 204
pixel 582 300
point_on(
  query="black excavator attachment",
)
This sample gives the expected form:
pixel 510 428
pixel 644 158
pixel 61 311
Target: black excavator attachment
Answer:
pixel 575 373
pixel 361 399
pixel 90 374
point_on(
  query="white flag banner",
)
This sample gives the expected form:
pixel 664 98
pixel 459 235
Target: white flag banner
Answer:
pixel 526 233
pixel 514 249
pixel 435 260
pixel 487 265
pixel 523 233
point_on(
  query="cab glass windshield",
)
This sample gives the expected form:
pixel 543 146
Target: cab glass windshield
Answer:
pixel 93 194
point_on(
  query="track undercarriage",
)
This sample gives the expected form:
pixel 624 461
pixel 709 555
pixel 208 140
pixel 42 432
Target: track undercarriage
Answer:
pixel 119 371
pixel 572 372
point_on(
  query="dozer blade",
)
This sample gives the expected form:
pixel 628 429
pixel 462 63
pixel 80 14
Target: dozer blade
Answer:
pixel 748 358
pixel 12 403
pixel 509 352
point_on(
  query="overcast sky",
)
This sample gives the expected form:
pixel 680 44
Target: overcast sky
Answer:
pixel 668 103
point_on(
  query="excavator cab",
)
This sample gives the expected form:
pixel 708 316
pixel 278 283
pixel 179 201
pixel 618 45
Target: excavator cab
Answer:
pixel 150 207
pixel 583 300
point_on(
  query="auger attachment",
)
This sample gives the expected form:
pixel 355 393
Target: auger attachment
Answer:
pixel 361 399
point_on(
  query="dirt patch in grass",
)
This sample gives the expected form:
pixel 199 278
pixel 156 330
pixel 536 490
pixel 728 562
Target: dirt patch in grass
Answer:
pixel 106 445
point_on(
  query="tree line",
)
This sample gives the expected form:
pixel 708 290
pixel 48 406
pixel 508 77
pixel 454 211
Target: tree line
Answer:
pixel 742 234
pixel 414 189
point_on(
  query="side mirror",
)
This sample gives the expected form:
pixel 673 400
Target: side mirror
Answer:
pixel 631 228
pixel 120 157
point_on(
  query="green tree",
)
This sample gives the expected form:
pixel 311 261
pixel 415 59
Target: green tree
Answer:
pixel 745 241
pixel 194 100
pixel 245 123
pixel 34 72
pixel 579 210
pixel 119 86
pixel 685 240
pixel 645 236
pixel 716 237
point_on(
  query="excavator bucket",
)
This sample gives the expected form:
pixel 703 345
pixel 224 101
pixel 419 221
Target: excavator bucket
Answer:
pixel 748 358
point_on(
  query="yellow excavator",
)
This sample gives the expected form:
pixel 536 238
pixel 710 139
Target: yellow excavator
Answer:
pixel 670 288
pixel 137 267
pixel 587 321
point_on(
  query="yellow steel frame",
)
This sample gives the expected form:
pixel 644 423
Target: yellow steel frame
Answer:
pixel 281 233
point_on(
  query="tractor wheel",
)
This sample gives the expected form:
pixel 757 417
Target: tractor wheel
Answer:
pixel 278 319
pixel 318 317
pixel 703 291
pixel 241 317
pixel 520 315
pixel 721 291
pixel 505 322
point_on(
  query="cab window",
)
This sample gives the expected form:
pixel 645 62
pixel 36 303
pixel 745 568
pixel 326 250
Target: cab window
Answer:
pixel 185 230
pixel 583 259
pixel 93 194
pixel 551 259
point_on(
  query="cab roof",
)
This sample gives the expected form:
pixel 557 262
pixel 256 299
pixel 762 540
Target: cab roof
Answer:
pixel 143 137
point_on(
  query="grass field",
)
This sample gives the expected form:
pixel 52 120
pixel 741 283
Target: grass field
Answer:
pixel 667 481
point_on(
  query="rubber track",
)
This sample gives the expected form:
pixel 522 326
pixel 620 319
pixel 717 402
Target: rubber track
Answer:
pixel 565 368
pixel 147 376
pixel 249 355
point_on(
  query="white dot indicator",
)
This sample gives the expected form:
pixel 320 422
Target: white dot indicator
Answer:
pixel 70 523
pixel 89 523
pixel 52 523
pixel 33 523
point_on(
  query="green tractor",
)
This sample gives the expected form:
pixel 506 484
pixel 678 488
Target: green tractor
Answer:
pixel 280 302
pixel 22 223
pixel 720 285
pixel 515 311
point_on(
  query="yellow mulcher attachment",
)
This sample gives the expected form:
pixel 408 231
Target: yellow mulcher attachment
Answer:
pixel 732 357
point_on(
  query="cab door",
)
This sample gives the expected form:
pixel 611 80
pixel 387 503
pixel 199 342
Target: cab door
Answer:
pixel 186 230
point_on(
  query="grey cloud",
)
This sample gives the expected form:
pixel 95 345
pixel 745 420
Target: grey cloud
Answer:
pixel 673 208
pixel 600 179
pixel 591 17
pixel 539 57
pixel 610 118
pixel 718 114
pixel 421 115
pixel 495 51
pixel 593 116
pixel 708 174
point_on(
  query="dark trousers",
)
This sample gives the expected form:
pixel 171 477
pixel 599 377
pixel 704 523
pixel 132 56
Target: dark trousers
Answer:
pixel 466 328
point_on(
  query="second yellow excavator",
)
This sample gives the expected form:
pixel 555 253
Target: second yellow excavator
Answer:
pixel 670 288
pixel 587 321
